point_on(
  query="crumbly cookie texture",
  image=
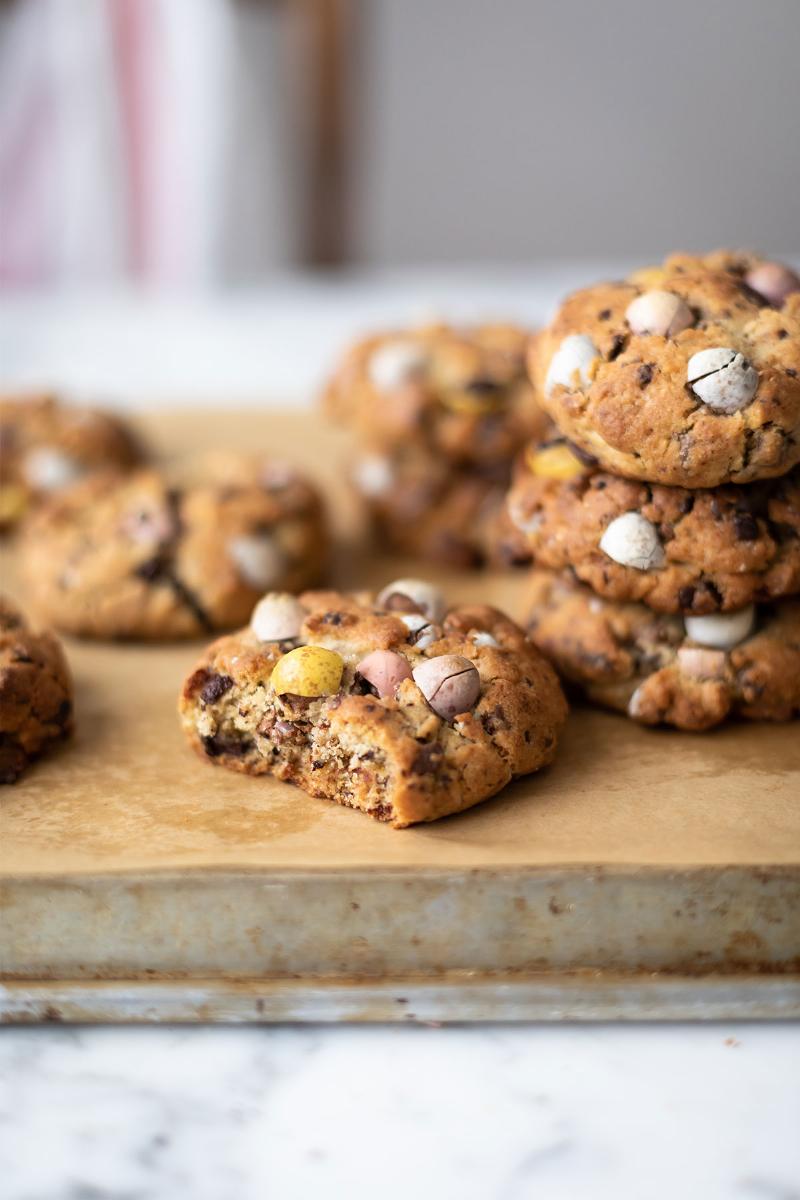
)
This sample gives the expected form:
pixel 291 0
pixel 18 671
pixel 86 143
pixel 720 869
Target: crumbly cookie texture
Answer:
pixel 423 506
pixel 682 374
pixel 133 557
pixel 458 393
pixel 388 705
pixel 35 693
pixel 661 670
pixel 710 549
pixel 46 445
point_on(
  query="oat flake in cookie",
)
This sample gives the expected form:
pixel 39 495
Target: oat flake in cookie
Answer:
pixel 136 557
pixel 691 672
pixel 35 693
pixel 701 551
pixel 686 374
pixel 46 445
pixel 385 706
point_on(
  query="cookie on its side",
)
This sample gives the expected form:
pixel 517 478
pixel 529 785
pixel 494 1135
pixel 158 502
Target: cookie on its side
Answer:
pixel 134 557
pixel 46 445
pixel 391 705
pixel 35 693
pixel 662 669
pixel 687 374
pixel 422 506
pixel 458 393
pixel 676 550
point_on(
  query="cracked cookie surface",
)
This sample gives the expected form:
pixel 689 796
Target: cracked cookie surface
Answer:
pixel 722 548
pixel 35 693
pixel 376 742
pixel 134 557
pixel 629 658
pixel 653 404
pixel 462 394
pixel 46 445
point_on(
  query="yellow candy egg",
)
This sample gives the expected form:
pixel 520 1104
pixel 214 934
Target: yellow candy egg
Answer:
pixel 13 502
pixel 308 671
pixel 476 400
pixel 554 462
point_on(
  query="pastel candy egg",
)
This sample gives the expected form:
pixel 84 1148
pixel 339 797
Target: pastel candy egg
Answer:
pixel 421 633
pixel 573 363
pixel 722 378
pixel 278 617
pixel 773 281
pixel 721 630
pixel 258 558
pixel 659 312
pixel 48 469
pixel 395 363
pixel 633 541
pixel 413 595
pixel 308 671
pixel 451 684
pixel 554 462
pixel 385 670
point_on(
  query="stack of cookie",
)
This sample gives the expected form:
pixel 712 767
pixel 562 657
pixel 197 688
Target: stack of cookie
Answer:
pixel 664 522
pixel 439 414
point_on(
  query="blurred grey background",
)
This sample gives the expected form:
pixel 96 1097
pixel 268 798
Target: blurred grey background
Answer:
pixel 193 143
pixel 530 128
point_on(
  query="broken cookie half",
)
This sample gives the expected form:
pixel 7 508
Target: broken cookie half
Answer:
pixel 391 705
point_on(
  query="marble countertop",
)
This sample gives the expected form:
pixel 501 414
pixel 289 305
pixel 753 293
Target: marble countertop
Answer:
pixel 477 1113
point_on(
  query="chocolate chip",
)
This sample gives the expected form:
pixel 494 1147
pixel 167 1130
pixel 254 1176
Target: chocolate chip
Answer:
pixel 604 315
pixel 617 346
pixel 150 569
pixel 427 759
pixel 791 371
pixel 362 687
pixel 494 720
pixel 686 597
pixel 482 384
pixel 746 527
pixel 582 455
pixel 215 686
pixel 333 618
pixel 217 744
pixel 645 374
pixel 687 503
pixel 782 333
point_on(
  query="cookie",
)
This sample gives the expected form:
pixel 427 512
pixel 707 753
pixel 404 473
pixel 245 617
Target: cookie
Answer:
pixel 425 507
pixel 700 551
pixel 35 693
pixel 46 445
pixel 692 673
pixel 458 393
pixel 391 705
pixel 134 557
pixel 682 375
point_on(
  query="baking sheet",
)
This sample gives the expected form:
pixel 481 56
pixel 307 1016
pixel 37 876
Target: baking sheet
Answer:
pixel 124 835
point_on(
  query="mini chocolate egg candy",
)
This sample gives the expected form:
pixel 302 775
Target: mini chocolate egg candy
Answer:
pixel 633 541
pixel 412 595
pixel 308 671
pixel 385 670
pixel 278 617
pixel 450 683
